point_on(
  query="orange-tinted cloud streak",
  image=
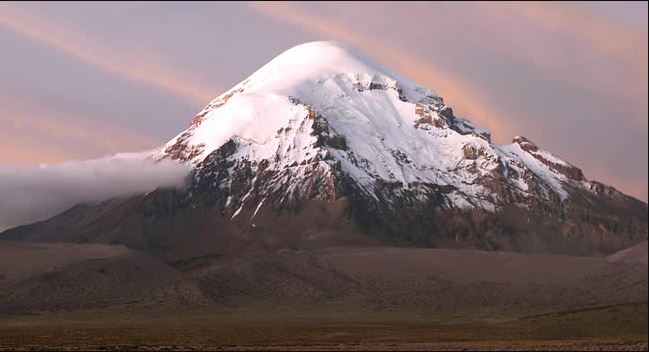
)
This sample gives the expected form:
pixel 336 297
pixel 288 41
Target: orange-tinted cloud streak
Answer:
pixel 30 139
pixel 601 35
pixel 591 36
pixel 137 70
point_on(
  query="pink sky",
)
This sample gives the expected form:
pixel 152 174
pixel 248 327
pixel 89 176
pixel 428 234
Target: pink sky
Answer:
pixel 82 80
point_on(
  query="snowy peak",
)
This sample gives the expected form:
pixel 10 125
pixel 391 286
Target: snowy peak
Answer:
pixel 308 63
pixel 312 73
pixel 323 111
pixel 300 67
pixel 303 66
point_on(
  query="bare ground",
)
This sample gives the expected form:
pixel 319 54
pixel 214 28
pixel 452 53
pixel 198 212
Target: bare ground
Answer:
pixel 74 296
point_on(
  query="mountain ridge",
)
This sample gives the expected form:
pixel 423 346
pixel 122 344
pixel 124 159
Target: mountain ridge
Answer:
pixel 321 127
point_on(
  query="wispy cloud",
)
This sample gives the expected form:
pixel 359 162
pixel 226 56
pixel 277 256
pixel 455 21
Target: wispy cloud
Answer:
pixel 142 70
pixel 34 193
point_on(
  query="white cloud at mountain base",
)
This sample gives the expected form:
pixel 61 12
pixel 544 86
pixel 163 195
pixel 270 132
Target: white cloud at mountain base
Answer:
pixel 34 193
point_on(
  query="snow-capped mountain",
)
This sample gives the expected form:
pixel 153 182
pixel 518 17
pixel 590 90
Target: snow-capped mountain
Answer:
pixel 319 108
pixel 322 124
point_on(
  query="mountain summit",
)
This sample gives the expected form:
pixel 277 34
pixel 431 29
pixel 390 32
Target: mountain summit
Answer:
pixel 317 73
pixel 321 146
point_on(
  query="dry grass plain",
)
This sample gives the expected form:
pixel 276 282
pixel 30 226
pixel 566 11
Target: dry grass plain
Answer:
pixel 619 327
